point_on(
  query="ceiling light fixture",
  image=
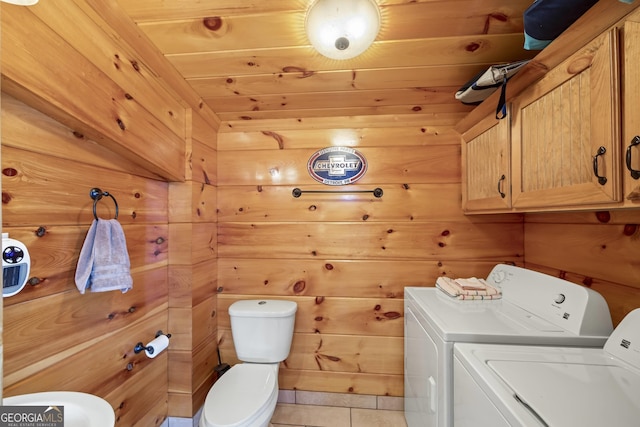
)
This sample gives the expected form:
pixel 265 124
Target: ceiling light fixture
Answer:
pixel 342 29
pixel 21 2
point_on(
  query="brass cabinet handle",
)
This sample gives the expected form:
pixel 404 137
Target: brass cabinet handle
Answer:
pixel 601 179
pixel 635 174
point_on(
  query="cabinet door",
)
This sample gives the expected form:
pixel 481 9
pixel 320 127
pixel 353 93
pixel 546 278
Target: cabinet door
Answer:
pixel 566 133
pixel 631 118
pixel 486 166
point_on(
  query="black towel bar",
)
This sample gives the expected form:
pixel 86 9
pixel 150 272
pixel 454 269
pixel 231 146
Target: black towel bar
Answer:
pixel 96 194
pixel 377 192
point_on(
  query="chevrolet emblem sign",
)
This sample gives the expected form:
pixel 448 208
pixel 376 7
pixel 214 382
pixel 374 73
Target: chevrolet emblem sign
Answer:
pixel 337 166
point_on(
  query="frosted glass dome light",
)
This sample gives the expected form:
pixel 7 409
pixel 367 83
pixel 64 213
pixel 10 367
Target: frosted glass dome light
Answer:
pixel 21 2
pixel 342 29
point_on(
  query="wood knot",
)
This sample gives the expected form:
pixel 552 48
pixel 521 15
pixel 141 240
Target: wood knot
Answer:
pixel 212 23
pixel 472 47
pixel 299 286
pixel 630 229
pixel 603 216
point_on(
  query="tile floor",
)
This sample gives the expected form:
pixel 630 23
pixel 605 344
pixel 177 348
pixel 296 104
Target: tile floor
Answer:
pixel 296 415
pixel 316 409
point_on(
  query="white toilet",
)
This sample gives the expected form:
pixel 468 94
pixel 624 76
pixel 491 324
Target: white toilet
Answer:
pixel 246 395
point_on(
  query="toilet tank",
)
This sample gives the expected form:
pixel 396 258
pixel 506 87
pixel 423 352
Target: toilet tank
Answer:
pixel 262 329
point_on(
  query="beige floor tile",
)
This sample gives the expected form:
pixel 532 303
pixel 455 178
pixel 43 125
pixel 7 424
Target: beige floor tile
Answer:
pixel 335 399
pixel 391 403
pixel 286 396
pixel 311 416
pixel 377 418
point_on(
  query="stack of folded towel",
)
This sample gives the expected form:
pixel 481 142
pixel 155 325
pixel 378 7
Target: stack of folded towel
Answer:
pixel 468 289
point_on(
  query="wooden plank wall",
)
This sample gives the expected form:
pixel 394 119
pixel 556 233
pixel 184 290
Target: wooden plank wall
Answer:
pixel 126 122
pixel 345 259
pixel 54 337
pixel 192 274
pixel 594 249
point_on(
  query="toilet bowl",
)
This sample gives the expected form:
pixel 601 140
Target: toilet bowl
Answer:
pixel 246 395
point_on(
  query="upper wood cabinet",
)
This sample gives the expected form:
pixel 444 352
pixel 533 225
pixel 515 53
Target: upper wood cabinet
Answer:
pixel 631 113
pixel 486 159
pixel 566 133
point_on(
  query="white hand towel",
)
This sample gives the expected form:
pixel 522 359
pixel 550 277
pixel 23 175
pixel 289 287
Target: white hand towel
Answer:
pixel 103 264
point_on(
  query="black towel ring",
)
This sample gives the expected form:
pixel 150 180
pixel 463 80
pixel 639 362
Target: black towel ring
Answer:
pixel 96 194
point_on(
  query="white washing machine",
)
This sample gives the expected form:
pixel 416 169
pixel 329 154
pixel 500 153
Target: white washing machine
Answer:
pixel 535 309
pixel 504 385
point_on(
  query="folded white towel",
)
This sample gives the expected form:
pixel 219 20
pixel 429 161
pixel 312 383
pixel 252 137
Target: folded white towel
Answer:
pixel 103 264
pixel 467 288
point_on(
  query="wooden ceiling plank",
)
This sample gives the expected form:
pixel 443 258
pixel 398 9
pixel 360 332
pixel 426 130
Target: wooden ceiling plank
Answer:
pixel 360 137
pixel 285 29
pixel 295 101
pixel 393 110
pixel 164 10
pixel 382 118
pixel 489 48
pixel 296 81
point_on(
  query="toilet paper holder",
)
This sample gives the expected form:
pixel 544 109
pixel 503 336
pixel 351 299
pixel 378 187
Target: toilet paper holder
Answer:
pixel 141 347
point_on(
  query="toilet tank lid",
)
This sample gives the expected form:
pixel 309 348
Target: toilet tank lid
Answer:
pixel 262 308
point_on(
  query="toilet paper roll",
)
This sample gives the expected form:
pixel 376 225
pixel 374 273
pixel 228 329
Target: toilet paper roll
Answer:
pixel 157 346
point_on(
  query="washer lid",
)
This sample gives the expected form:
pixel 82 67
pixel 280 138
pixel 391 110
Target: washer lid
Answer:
pixel 563 393
pixel 495 321
pixel 240 394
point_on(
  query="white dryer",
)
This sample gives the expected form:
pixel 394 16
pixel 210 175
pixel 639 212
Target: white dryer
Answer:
pixel 535 309
pixel 502 385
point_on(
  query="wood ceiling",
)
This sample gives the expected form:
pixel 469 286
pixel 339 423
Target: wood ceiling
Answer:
pixel 250 59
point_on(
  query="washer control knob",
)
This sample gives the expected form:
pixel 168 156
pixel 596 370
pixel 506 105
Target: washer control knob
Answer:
pixel 559 298
pixel 499 276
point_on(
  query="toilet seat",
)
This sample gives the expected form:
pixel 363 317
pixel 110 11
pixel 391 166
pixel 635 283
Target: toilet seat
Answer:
pixel 242 396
